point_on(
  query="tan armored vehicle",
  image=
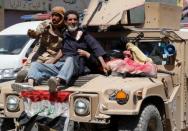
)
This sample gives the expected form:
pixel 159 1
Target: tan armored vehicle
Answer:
pixel 121 101
pixel 134 102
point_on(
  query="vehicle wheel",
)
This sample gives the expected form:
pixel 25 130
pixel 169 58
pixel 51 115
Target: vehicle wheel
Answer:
pixel 149 120
pixel 6 124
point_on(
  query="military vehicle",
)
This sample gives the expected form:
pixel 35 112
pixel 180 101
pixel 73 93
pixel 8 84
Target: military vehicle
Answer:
pixel 119 101
pixel 132 102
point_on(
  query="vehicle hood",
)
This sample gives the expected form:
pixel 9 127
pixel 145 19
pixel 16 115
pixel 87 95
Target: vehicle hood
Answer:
pixel 103 83
pixel 101 12
pixel 9 61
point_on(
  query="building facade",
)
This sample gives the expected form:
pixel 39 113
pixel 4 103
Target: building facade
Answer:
pixel 1 15
pixel 12 10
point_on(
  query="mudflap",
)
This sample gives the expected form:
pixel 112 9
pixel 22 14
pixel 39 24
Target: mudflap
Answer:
pixel 40 123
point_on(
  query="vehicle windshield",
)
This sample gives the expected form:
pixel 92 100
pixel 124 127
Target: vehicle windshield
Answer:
pixel 160 52
pixel 12 44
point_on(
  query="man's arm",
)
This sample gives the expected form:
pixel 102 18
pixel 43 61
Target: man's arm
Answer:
pixel 35 34
pixel 98 50
pixel 104 65
pixel 100 58
pixel 39 30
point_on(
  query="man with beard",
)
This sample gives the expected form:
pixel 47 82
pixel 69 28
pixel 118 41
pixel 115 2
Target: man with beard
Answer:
pixel 79 50
pixel 49 35
pixel 82 48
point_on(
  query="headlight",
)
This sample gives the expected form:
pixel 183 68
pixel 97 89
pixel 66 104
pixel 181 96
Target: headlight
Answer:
pixel 81 106
pixel 7 73
pixel 12 103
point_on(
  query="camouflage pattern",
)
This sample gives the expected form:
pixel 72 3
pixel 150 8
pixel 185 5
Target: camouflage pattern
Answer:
pixel 49 43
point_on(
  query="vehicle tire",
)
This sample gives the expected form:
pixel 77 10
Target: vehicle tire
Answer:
pixel 149 120
pixel 6 124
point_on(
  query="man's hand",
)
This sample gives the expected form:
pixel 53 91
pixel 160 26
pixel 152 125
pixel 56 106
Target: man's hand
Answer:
pixel 106 68
pixel 33 34
pixel 83 53
pixel 28 62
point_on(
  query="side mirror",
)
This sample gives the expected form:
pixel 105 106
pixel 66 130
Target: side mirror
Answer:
pixel 170 53
pixel 169 50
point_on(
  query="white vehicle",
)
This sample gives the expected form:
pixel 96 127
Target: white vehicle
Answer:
pixel 15 46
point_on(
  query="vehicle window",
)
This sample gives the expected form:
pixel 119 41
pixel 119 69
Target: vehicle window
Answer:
pixel 31 48
pixel 160 52
pixel 112 44
pixel 12 44
pixel 114 47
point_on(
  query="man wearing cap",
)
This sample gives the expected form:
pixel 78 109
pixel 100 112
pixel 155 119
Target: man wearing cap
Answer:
pixel 50 35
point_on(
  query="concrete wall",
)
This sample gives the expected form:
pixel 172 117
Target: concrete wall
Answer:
pixel 16 8
pixel 26 5
pixel 13 17
pixel 45 5
pixel 1 18
pixel 78 5
pixel 1 15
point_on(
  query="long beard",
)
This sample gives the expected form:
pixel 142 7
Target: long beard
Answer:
pixel 72 28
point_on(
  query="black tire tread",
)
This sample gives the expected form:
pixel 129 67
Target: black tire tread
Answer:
pixel 138 123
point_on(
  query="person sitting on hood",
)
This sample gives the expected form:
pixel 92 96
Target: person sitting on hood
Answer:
pixel 79 49
pixel 50 35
